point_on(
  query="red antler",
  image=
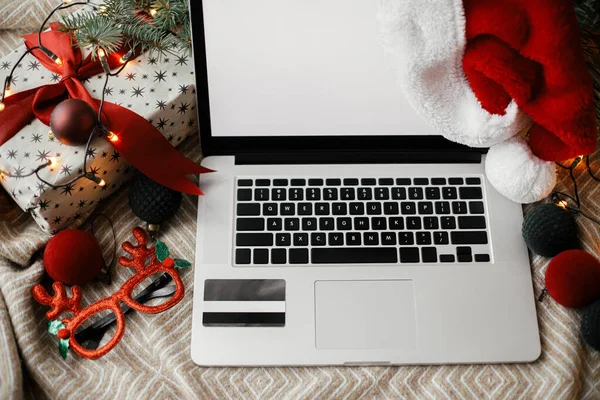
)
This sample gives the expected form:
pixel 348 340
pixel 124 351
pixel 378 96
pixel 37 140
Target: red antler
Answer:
pixel 140 253
pixel 60 302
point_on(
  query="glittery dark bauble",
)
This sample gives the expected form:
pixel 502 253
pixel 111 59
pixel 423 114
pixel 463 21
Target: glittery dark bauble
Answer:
pixel 152 202
pixel 590 325
pixel 72 122
pixel 549 230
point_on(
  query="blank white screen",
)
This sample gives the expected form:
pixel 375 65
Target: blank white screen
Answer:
pixel 302 68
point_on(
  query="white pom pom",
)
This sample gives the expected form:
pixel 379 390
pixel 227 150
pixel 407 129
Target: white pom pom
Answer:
pixel 518 174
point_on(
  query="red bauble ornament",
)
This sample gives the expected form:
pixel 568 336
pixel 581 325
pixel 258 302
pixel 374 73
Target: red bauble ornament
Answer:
pixel 72 122
pixel 572 279
pixel 73 257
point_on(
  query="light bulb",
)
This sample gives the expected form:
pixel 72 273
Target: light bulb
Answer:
pixel 563 204
pixel 102 182
pixel 153 12
pixel 2 106
pixel 112 137
pixel 101 53
pixel 66 1
pixel 53 162
pixel 58 61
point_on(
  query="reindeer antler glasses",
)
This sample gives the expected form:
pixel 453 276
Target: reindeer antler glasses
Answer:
pixel 60 303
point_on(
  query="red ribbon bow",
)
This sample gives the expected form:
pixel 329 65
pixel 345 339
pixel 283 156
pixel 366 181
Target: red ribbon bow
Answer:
pixel 140 143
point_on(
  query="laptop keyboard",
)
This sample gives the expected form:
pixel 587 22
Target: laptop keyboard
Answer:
pixel 360 221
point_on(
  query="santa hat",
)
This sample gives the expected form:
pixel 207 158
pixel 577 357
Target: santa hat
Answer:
pixel 487 73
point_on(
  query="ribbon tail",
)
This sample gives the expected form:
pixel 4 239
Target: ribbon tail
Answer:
pixel 16 115
pixel 142 145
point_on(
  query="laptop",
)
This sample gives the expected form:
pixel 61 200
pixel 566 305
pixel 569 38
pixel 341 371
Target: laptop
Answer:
pixel 340 228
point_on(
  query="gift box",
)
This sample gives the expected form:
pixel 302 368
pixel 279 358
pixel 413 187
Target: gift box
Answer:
pixel 160 89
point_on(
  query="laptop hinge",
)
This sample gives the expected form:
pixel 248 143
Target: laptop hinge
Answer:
pixel 351 157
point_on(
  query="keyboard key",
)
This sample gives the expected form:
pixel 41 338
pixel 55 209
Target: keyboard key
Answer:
pixel 391 209
pixel 471 193
pixel 248 209
pixel 315 182
pixel 397 223
pixel 309 224
pixel 269 209
pixel 330 194
pixel 386 181
pixel 280 182
pixel 296 194
pixel 406 238
pixel 429 254
pixel 244 182
pixel 279 194
pixel 368 181
pixel 379 224
pixel 274 224
pixel 365 194
pixel 298 182
pixel 250 224
pixel 244 194
pixel 361 224
pixel 431 223
pixel 347 194
pixel 243 256
pixel 442 207
pixel 339 209
pixel 298 256
pixel 476 207
pixel 353 239
pixel 464 254
pixel 408 208
pixel 459 207
pixel 287 209
pixel 333 182
pixel 432 193
pixel 403 181
pixel 371 239
pixel 254 239
pixel 283 239
pixel 318 239
pixel 415 193
pixel 425 208
pixel 300 239
pixel 455 181
pixel 352 255
pixel 373 208
pixel 344 224
pixel 441 238
pixel 261 194
pixel 471 222
pixel 388 239
pixel 313 194
pixel 322 209
pixel 449 193
pixel 438 181
pixel 263 182
pixel 423 238
pixel 357 209
pixel 473 181
pixel 382 193
pixel 261 256
pixel 448 223
pixel 482 257
pixel 413 223
pixel 326 224
pixel 292 224
pixel 336 239
pixel 409 255
pixel 399 193
pixel 421 181
pixel 469 237
pixel 350 182
pixel 447 258
pixel 278 256
pixel 305 209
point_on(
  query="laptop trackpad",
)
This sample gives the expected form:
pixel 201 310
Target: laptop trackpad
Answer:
pixel 365 315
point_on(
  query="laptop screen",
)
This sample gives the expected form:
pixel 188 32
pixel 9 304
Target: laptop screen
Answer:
pixel 302 68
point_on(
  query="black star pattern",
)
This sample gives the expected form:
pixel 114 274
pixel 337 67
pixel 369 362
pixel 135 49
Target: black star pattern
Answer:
pixel 104 172
pixel 127 170
pixel 26 155
pixel 167 60
pixel 160 76
pixel 115 157
pixel 81 188
pixel 130 76
pixel 171 138
pixel 55 78
pixel 68 190
pixel 57 220
pixel 138 92
pixel 145 76
pixel 193 90
pixel 14 80
pixel 182 60
pixel 85 80
pixel 82 204
pixel 103 189
pixel 12 154
pixel 108 91
pixel 190 123
pixel 122 91
pixel 183 89
pixel 152 90
pixel 94 171
pixel 14 193
pixel 19 172
pixel 36 138
pixel 5 65
pixel 174 74
pixel 173 106
pixel 43 155
pixel 25 79
pixel 91 153
pixel 56 206
pixel 41 186
pixel 65 170
pixel 44 204
pixel 104 154
pixel 183 108
pixel 152 60
pixel 162 122
pixel 172 124
pixel 162 105
pixel 51 139
pixel 34 66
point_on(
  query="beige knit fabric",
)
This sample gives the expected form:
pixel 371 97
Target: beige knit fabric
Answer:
pixel 153 359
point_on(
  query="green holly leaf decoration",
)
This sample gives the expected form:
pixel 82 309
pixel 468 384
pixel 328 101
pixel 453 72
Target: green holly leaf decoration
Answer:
pixel 162 251
pixel 63 348
pixel 182 264
pixel 55 326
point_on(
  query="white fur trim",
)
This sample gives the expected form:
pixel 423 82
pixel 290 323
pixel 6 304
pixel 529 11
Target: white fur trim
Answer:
pixel 426 41
pixel 516 173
